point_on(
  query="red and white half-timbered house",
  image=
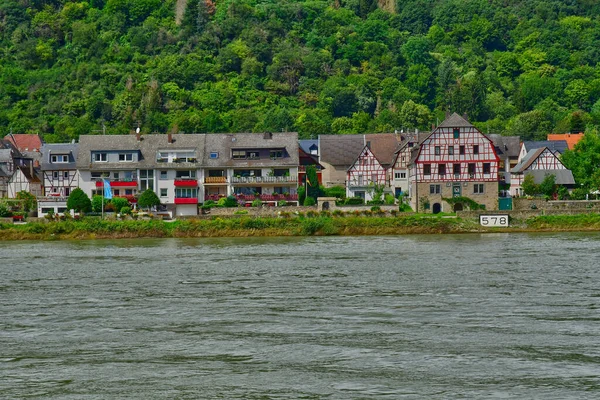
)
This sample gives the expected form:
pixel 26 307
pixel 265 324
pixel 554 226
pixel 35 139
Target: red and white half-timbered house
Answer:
pixel 456 160
pixel 539 163
pixel 373 167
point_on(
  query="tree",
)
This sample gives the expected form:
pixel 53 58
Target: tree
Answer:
pixel 148 199
pixel 312 182
pixel 529 187
pixel 29 201
pixel 548 185
pixel 79 201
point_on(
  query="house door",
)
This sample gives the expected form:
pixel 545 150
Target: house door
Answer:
pixel 437 208
pixel 398 192
pixel 456 190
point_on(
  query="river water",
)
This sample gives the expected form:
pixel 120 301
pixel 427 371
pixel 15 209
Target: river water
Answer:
pixel 408 317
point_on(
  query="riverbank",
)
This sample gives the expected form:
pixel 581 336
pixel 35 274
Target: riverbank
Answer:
pixel 93 228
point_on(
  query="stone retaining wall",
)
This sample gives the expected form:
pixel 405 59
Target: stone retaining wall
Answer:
pixel 563 205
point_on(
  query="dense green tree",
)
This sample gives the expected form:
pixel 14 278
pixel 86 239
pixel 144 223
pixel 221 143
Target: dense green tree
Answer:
pixel 79 201
pixel 148 199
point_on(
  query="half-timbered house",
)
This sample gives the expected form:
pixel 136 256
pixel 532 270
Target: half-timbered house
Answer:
pixel 24 178
pixel 539 163
pixel 455 160
pixel 372 168
pixel 59 171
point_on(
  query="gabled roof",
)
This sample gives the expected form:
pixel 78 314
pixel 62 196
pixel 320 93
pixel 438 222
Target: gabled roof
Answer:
pixel 554 145
pixel 529 158
pixel 32 178
pixel 455 121
pixel 224 143
pixel 562 176
pixel 343 150
pixel 148 146
pixel 307 144
pixel 25 142
pixel 508 146
pixel 70 149
pixel 571 138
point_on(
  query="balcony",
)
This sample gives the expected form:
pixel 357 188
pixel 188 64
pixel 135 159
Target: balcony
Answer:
pixel 264 179
pixel 215 179
pixel 186 200
pixel 186 182
pixel 124 184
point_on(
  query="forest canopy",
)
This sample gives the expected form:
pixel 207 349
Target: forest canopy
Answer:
pixel 516 67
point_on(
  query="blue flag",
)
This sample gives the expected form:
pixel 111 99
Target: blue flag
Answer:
pixel 107 191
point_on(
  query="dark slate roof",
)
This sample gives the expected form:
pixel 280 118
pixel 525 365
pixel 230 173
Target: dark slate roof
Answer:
pixel 306 144
pixel 148 146
pixel 506 145
pixel 563 176
pixel 529 158
pixel 6 156
pixel 224 143
pixel 383 146
pixel 27 172
pixel 554 145
pixel 69 149
pixel 455 121
pixel 340 150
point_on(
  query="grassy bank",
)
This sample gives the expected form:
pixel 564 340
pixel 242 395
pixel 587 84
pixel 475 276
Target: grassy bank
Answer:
pixel 92 228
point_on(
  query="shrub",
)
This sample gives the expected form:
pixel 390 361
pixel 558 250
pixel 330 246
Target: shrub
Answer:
pixel 326 213
pixel 257 203
pixel 240 212
pixel 29 201
pixel 79 201
pixel 309 202
pixel 125 210
pixel 148 199
pixel 282 203
pixel 119 202
pixel 230 201
pixel 336 191
pixel 301 194
pixel 389 199
pixel 97 202
pixel 375 208
pixel 221 202
pixel 4 211
pixel 338 213
pixel 404 208
pixel 354 201
pixel 311 213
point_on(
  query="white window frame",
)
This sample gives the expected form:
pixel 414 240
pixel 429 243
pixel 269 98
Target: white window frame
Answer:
pixel 100 157
pixel 125 157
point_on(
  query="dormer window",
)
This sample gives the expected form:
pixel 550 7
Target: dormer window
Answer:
pixel 238 154
pixel 253 154
pixel 276 154
pixel 125 156
pixel 100 157
pixel 59 158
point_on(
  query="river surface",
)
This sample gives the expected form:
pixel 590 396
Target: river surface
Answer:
pixel 501 316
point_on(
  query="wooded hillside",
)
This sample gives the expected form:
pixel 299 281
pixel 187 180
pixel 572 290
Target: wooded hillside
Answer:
pixel 525 67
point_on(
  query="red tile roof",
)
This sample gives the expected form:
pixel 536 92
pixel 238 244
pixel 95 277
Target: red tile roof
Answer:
pixel 570 138
pixel 25 142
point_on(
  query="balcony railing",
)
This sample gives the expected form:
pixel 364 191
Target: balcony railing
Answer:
pixel 250 198
pixel 117 183
pixel 186 200
pixel 264 179
pixel 177 160
pixel 182 182
pixel 215 179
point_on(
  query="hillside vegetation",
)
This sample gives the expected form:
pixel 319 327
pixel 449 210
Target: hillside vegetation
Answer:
pixel 525 67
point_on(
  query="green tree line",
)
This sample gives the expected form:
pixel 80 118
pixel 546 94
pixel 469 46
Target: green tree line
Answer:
pixel 526 67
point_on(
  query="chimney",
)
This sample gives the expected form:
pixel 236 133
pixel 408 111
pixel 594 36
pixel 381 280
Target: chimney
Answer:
pixel 447 113
pixel 169 137
pixel 268 135
pixel 138 136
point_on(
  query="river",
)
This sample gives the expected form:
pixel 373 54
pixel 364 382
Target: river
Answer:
pixel 404 317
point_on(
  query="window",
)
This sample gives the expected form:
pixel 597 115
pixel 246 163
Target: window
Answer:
pixel 67 192
pixel 437 150
pixel 163 175
pixel 450 150
pixel 164 192
pixel 476 149
pixel 374 178
pixel 410 144
pixel 126 157
pixel 442 169
pixel 100 157
pixel 360 180
pixel 185 174
pixel 461 150
pixel 55 175
pixel 400 175
pixel 238 154
pixel 276 154
pixel 214 154
pixel 426 169
pixel 146 179
pixel 396 175
pixel 66 174
pixel 456 169
pixel 186 193
pixel 435 189
pixel 478 188
pixel 471 169
pixel 60 158
pixel 128 192
pixel 486 168
pixel 253 154
pixel 456 133
pixel 403 175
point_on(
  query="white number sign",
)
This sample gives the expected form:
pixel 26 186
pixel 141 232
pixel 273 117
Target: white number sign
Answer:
pixel 493 220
